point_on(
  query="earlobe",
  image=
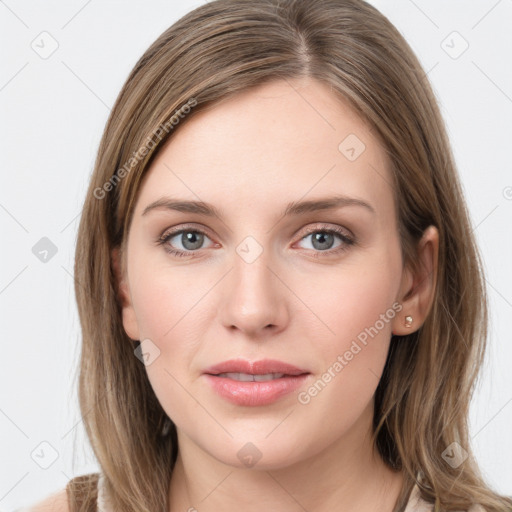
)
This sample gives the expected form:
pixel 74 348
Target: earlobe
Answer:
pixel 123 295
pixel 418 294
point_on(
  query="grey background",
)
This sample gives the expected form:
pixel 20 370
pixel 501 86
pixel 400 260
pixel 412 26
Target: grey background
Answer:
pixel 53 110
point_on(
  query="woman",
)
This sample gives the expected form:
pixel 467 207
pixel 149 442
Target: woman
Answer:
pixel 281 299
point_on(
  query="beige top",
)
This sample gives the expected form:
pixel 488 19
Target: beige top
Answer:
pixel 103 503
pixel 415 503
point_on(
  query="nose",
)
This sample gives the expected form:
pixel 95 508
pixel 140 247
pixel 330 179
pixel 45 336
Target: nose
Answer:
pixel 254 299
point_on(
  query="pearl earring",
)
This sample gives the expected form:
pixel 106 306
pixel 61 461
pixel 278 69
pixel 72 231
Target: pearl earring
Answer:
pixel 407 323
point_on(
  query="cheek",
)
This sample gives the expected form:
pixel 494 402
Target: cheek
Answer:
pixel 349 302
pixel 170 309
pixel 167 306
pixel 164 298
pixel 154 307
pixel 352 339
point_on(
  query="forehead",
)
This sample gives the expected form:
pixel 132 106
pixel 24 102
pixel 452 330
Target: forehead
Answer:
pixel 277 143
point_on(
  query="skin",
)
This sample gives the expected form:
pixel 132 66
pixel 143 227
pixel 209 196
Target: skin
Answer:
pixel 250 156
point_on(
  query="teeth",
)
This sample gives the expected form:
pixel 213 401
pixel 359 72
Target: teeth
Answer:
pixel 247 377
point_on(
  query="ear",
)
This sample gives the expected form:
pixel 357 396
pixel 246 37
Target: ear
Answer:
pixel 124 296
pixel 417 290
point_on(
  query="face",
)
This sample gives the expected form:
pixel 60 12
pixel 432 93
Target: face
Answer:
pixel 265 278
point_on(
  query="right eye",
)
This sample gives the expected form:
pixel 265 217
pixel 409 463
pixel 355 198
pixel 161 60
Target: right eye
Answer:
pixel 191 240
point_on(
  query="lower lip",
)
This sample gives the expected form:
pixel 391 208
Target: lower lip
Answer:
pixel 255 393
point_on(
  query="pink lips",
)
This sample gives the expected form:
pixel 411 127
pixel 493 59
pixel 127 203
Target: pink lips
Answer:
pixel 253 393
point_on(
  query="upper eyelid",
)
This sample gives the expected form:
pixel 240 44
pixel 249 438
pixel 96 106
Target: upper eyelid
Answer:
pixel 183 228
pixel 325 227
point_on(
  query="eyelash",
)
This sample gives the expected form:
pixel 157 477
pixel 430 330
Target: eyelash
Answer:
pixel 347 241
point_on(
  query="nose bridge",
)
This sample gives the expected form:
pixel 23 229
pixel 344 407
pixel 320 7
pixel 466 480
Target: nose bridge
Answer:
pixel 252 279
pixel 254 299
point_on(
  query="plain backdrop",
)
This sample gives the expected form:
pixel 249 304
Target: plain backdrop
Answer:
pixel 63 64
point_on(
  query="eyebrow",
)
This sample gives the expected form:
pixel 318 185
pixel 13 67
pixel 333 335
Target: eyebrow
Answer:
pixel 293 208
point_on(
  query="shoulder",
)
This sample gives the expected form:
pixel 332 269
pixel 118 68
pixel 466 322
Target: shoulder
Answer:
pixel 56 502
pixel 82 490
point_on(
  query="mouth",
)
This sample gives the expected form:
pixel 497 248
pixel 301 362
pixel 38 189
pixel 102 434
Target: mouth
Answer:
pixel 263 367
pixel 254 384
pixel 249 377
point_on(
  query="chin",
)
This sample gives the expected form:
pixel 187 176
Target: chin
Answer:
pixel 259 454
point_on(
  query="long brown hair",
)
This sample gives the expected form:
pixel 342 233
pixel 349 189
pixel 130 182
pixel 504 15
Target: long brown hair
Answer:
pixel 218 50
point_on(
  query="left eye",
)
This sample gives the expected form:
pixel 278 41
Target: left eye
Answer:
pixel 324 239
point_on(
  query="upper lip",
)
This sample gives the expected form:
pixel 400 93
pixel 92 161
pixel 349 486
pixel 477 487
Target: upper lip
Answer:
pixel 261 367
